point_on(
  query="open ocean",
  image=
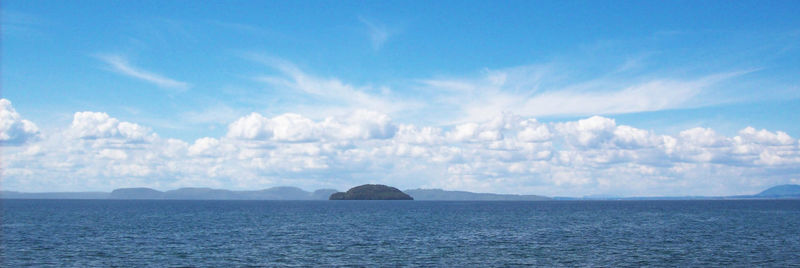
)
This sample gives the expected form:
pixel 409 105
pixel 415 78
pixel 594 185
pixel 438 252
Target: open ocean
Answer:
pixel 127 233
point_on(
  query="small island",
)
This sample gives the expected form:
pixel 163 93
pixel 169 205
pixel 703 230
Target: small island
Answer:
pixel 371 192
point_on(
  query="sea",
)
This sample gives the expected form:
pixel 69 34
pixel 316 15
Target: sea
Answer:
pixel 170 233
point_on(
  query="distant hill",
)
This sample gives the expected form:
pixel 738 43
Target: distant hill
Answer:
pixel 781 191
pixel 136 193
pixel 787 191
pixel 371 192
pixel 442 195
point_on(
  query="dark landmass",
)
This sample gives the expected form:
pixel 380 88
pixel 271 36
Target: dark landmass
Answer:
pixel 442 195
pixel 371 192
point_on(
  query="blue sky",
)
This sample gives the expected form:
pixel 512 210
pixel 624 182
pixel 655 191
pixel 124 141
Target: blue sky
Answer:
pixel 633 98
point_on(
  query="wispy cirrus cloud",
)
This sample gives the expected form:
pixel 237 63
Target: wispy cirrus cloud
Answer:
pixel 121 65
pixel 15 22
pixel 328 94
pixel 546 91
pixel 378 33
pixel 539 90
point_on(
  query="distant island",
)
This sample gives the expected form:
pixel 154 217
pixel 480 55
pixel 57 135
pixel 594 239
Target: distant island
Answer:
pixel 371 192
pixel 787 191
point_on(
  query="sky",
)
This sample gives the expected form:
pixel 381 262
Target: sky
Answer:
pixel 558 98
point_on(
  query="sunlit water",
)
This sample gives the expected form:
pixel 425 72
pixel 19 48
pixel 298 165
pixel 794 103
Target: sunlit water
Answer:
pixel 400 233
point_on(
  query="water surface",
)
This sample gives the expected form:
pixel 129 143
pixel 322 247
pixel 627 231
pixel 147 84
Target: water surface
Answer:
pixel 400 233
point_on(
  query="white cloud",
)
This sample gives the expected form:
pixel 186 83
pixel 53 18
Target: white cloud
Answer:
pixel 205 147
pixel 122 66
pixel 294 128
pixel 590 132
pixel 94 125
pixel 253 126
pixel 359 124
pixel 703 137
pixel 533 131
pixel 329 94
pixel 648 96
pixel 419 135
pixel 764 137
pixel 630 137
pixel 115 154
pixel 543 90
pixel 505 154
pixel 13 129
pixel 529 91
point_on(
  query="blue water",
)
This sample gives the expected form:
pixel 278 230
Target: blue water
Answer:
pixel 400 233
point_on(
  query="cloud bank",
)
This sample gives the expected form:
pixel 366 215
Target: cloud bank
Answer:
pixel 508 154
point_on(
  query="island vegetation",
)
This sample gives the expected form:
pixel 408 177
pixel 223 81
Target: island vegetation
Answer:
pixel 371 192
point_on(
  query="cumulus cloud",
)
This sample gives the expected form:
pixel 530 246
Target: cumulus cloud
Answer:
pixel 508 153
pixel 533 131
pixel 13 129
pixel 419 135
pixel 253 126
pixel 750 134
pixel 362 124
pixel 589 132
pixel 94 125
pixel 204 147
pixel 359 124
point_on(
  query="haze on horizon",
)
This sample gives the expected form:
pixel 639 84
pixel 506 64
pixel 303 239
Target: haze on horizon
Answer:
pixel 525 97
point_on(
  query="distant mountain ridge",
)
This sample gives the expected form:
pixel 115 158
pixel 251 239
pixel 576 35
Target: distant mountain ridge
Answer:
pixel 787 191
